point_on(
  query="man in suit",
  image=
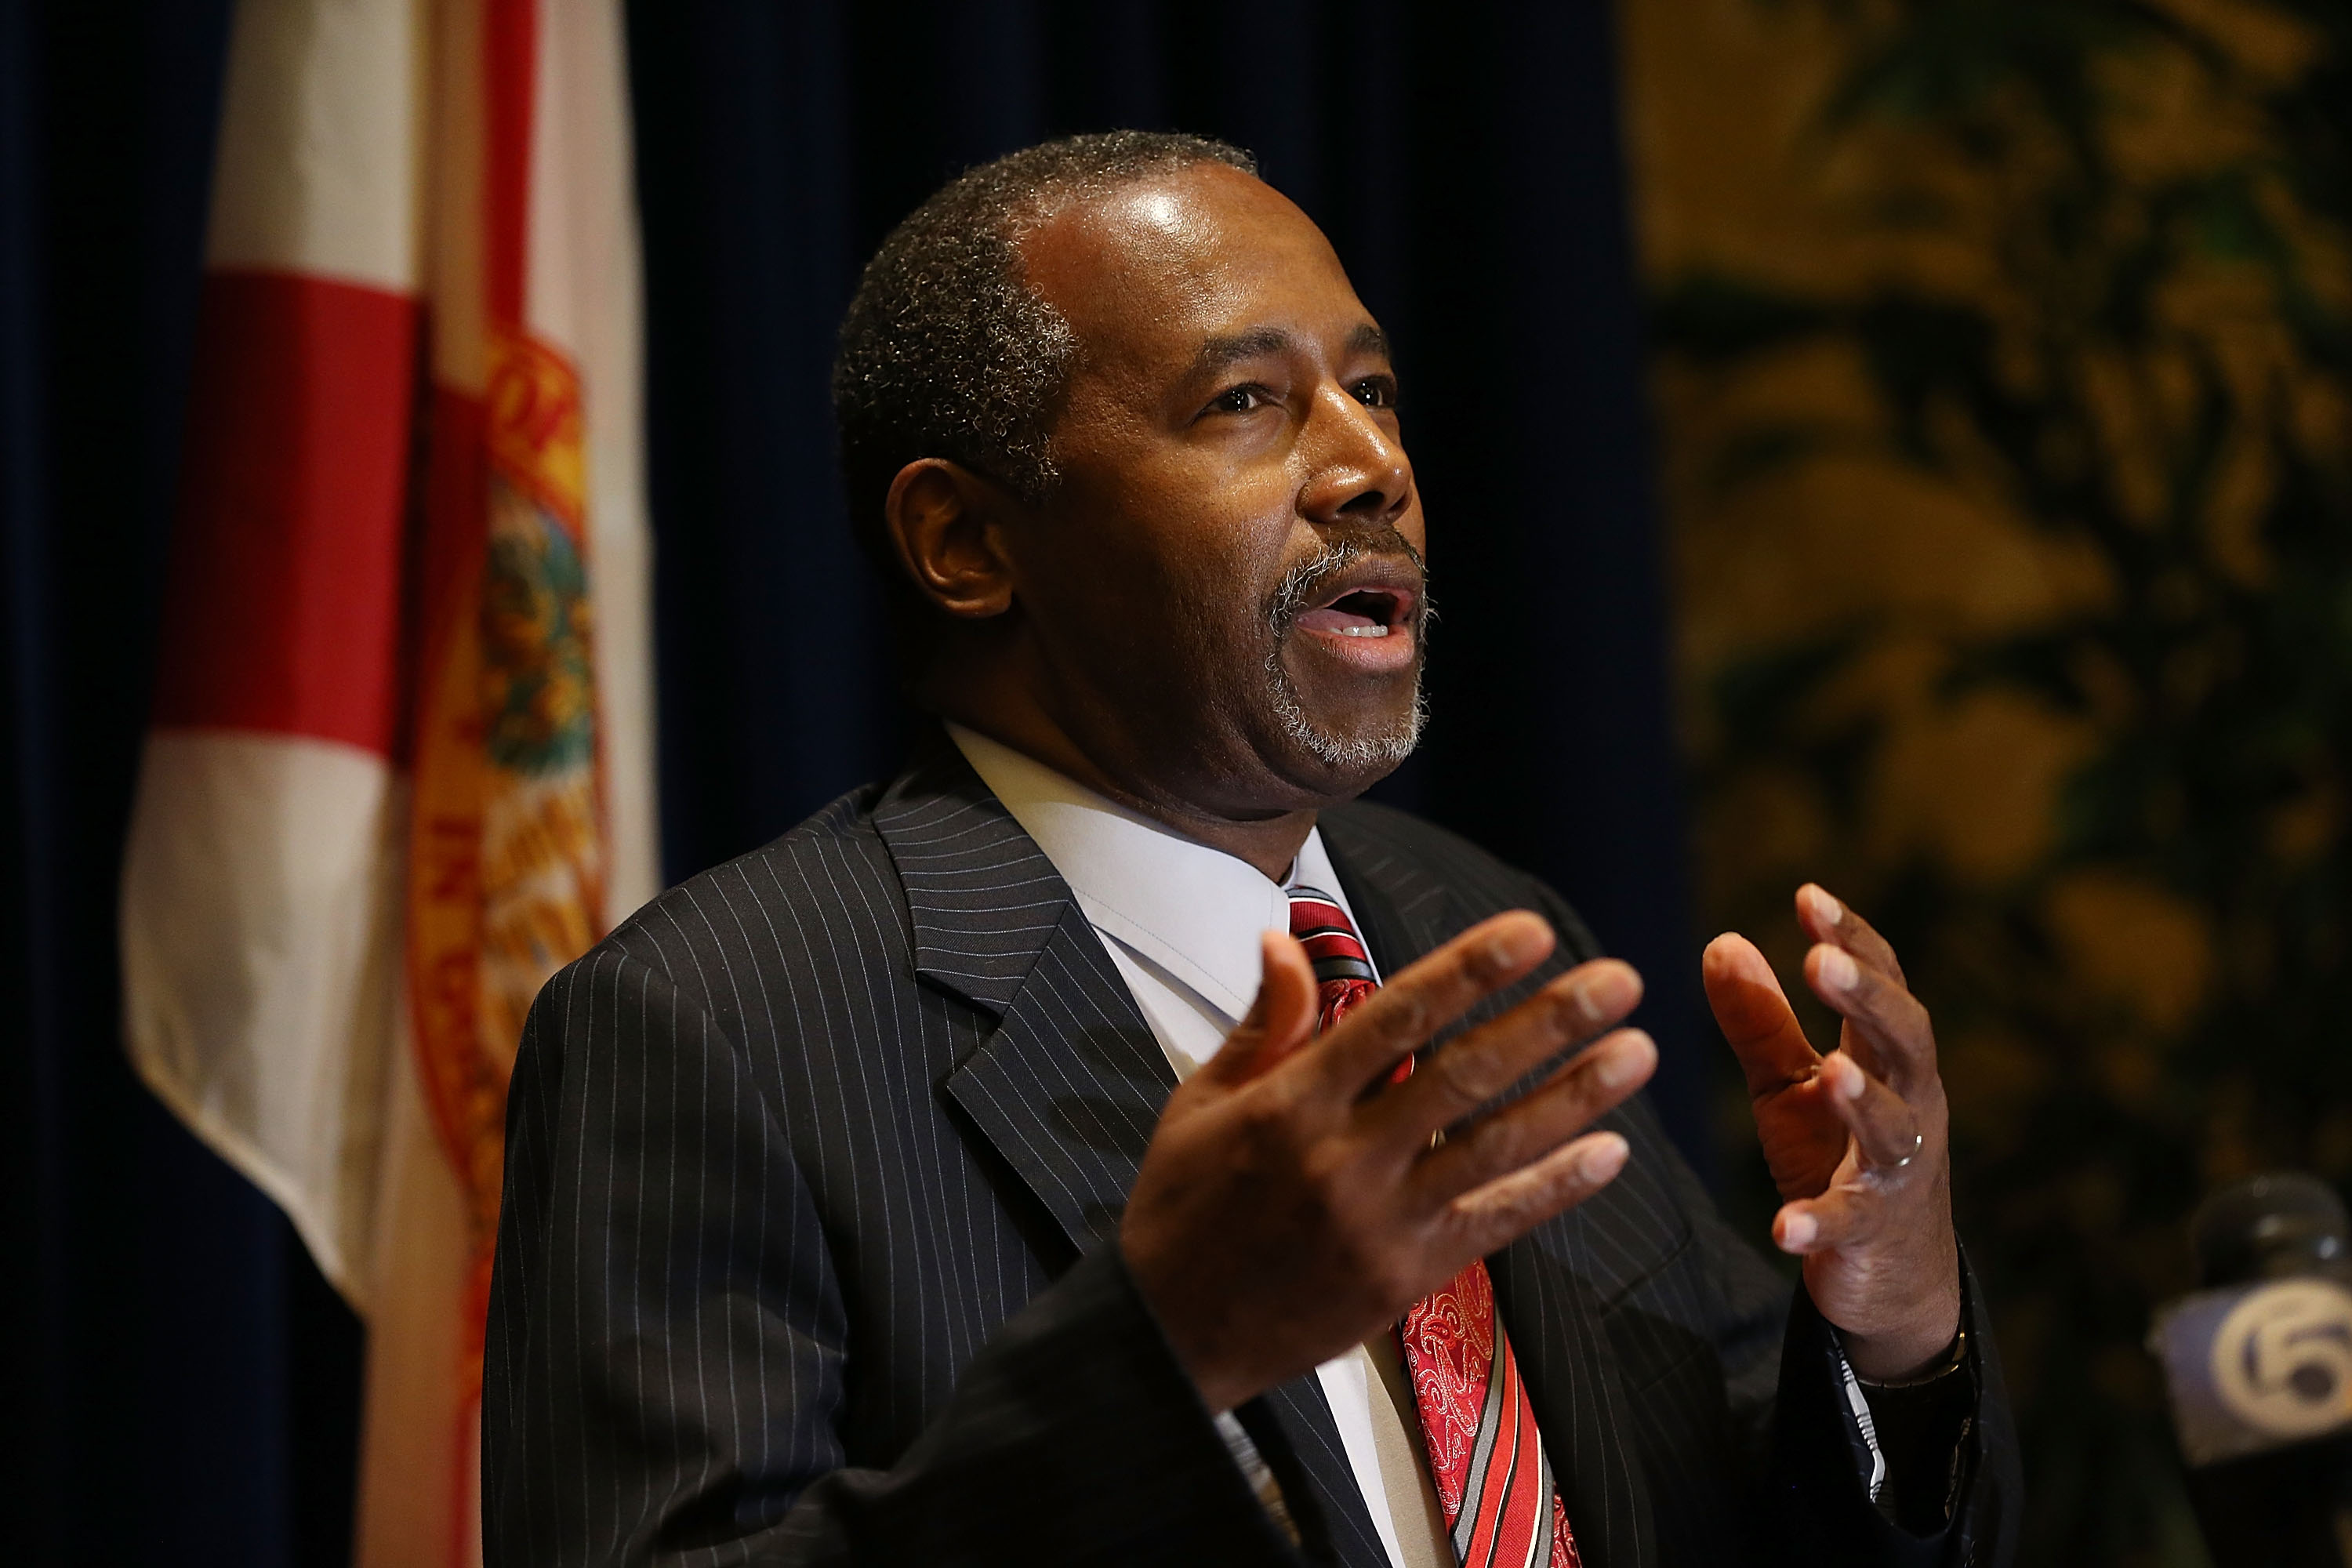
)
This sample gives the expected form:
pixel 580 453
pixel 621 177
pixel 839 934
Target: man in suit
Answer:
pixel 1106 1143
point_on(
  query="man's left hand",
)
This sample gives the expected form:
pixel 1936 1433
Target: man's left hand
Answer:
pixel 1856 1141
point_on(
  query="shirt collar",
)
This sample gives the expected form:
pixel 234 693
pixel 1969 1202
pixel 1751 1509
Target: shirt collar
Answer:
pixel 1193 910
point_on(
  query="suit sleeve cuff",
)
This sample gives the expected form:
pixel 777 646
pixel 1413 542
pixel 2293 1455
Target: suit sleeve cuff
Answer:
pixel 1874 1475
pixel 1911 1437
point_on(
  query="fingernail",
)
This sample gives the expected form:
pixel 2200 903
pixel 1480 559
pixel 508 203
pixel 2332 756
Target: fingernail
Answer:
pixel 1850 1081
pixel 1837 970
pixel 1508 947
pixel 1826 910
pixel 1604 1159
pixel 1624 1060
pixel 1796 1231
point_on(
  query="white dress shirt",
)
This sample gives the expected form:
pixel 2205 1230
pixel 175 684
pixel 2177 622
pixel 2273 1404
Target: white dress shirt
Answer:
pixel 1181 921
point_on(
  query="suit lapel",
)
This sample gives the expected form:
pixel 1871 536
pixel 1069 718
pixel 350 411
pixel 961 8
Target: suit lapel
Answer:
pixel 1070 1084
pixel 1403 912
pixel 1551 1313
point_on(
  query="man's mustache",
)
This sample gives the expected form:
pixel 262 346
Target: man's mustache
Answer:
pixel 1302 587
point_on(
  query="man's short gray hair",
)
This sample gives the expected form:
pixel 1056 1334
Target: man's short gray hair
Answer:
pixel 946 351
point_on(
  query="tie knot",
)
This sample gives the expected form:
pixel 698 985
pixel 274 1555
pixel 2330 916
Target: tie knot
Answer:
pixel 1323 929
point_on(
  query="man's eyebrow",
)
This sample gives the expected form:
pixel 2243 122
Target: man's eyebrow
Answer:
pixel 1220 351
pixel 1257 341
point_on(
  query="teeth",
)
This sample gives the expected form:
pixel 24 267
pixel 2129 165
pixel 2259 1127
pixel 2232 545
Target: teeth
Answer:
pixel 1365 631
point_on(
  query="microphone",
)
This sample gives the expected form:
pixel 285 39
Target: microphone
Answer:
pixel 2258 1364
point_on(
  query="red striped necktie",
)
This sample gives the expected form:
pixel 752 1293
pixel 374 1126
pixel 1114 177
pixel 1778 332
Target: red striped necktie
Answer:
pixel 1485 1453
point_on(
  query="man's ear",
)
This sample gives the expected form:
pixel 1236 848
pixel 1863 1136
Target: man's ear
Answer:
pixel 944 522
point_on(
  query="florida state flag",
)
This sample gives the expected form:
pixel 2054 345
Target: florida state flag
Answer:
pixel 400 765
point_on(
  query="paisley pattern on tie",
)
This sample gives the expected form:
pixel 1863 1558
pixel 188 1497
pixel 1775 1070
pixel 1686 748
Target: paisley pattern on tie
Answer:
pixel 1485 1453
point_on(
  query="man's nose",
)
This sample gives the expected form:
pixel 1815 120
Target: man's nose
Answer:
pixel 1359 473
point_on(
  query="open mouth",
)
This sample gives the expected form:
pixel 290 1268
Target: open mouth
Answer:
pixel 1362 613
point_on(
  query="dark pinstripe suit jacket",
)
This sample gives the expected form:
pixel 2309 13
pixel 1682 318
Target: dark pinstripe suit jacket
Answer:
pixel 814 1170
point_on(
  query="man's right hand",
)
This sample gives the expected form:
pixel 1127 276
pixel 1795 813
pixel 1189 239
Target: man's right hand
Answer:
pixel 1291 1204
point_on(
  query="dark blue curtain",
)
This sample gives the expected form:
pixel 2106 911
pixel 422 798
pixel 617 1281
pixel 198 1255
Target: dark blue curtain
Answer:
pixel 179 1384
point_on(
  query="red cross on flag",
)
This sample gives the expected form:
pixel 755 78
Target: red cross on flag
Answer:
pixel 400 766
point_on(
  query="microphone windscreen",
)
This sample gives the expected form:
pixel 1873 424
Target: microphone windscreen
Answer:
pixel 2268 1227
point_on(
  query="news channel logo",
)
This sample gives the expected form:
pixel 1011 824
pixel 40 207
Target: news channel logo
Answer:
pixel 2257 1367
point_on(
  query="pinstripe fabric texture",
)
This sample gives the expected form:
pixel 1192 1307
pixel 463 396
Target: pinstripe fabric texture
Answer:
pixel 813 1171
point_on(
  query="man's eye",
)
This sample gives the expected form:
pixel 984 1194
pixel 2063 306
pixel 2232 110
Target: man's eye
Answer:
pixel 1237 400
pixel 1375 392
